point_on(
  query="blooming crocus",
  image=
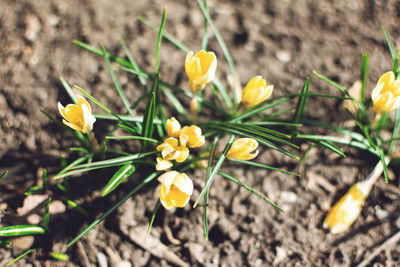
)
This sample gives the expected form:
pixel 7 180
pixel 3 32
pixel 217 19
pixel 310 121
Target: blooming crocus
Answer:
pixel 342 215
pixel 173 127
pixel 176 189
pixel 386 95
pixel 79 117
pixel 170 150
pixel 256 91
pixel 241 149
pixel 200 69
pixel 191 136
pixel 163 164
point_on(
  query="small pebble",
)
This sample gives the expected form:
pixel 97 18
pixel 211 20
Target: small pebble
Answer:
pixel 283 56
pixel 288 196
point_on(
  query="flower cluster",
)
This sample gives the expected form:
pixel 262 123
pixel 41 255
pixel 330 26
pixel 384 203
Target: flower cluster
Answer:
pixel 175 146
pixel 386 94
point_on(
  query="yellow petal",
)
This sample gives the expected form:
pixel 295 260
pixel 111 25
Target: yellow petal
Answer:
pixel 163 164
pixel 173 127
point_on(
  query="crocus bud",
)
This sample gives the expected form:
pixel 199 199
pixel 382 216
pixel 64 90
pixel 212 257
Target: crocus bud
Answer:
pixel 342 215
pixel 241 149
pixel 191 136
pixel 256 91
pixel 176 189
pixel 173 127
pixel 200 69
pixel 386 95
pixel 79 117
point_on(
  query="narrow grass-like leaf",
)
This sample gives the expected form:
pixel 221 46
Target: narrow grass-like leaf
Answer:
pixel 18 230
pixel 389 41
pixel 133 62
pixel 99 52
pixel 206 195
pixel 332 147
pixel 166 35
pixel 3 175
pixel 153 215
pixel 72 165
pixel 175 102
pixel 215 170
pixel 148 126
pixel 120 176
pixel 125 118
pixel 67 88
pixel 46 216
pixel 259 108
pixel 395 134
pixel 225 50
pixel 364 76
pixel 77 207
pixel 264 166
pixel 130 137
pixel 117 85
pixel 301 104
pixel 159 38
pixel 335 84
pixel 382 158
pixel 250 189
pixel 204 38
pixel 113 208
pixel 21 256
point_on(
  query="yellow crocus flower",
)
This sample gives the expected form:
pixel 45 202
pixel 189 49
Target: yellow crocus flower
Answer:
pixel 176 189
pixel 342 215
pixel 79 117
pixel 241 149
pixel 173 127
pixel 191 136
pixel 170 150
pixel 256 91
pixel 386 95
pixel 200 69
pixel 163 164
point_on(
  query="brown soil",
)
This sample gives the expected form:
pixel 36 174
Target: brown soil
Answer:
pixel 281 40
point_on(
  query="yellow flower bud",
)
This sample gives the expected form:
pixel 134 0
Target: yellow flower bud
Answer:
pixel 256 91
pixel 79 117
pixel 386 95
pixel 191 136
pixel 241 149
pixel 342 215
pixel 176 189
pixel 200 69
pixel 173 127
pixel 163 164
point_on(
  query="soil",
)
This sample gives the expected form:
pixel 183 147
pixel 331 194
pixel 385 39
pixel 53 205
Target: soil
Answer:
pixel 282 40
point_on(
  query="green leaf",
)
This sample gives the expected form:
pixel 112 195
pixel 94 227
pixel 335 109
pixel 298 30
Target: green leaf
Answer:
pixel 18 230
pixel 148 126
pixel 250 189
pixel 117 85
pixel 153 215
pixel 113 208
pixel 159 38
pixel 335 84
pixel 332 147
pixel 77 207
pixel 301 103
pixel 21 256
pixel 389 42
pixel 364 76
pixel 46 216
pixel 67 88
pixel 120 176
pixel 134 137
pixel 260 165
pixel 215 169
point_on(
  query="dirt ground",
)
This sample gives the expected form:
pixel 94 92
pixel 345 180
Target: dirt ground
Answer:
pixel 282 40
